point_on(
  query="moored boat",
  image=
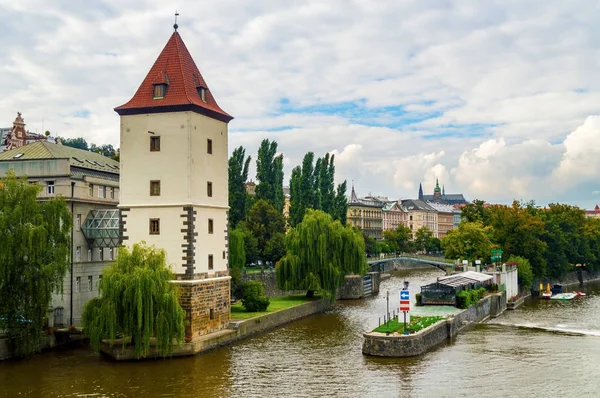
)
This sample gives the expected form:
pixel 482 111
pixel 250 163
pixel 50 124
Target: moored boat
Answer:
pixel 563 296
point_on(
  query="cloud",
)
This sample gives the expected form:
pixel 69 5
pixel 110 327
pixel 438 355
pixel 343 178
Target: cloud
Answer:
pixel 492 98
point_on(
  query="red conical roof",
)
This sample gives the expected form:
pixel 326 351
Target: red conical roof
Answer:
pixel 176 68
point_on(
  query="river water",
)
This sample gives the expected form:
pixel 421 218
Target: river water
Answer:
pixel 544 348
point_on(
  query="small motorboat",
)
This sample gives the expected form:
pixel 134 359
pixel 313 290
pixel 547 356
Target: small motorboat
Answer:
pixel 563 296
pixel 579 294
pixel 547 294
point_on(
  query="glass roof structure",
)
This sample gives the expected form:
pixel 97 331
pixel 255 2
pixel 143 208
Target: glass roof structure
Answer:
pixel 101 228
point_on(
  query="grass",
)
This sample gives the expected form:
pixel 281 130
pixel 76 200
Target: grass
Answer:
pixel 276 304
pixel 416 324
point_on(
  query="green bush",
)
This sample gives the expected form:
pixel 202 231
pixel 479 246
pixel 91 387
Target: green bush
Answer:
pixel 482 292
pixel 463 299
pixel 254 299
pixel 494 287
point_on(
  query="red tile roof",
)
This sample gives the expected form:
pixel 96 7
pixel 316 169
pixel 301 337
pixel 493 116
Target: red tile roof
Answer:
pixel 176 68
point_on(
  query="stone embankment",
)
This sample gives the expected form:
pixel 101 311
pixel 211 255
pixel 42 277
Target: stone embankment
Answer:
pixel 237 330
pixel 397 345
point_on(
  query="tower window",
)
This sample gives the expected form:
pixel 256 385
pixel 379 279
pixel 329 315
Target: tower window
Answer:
pixel 154 188
pixel 160 90
pixel 210 261
pixel 210 226
pixel 154 226
pixel 202 93
pixel 209 189
pixel 154 144
pixel 209 146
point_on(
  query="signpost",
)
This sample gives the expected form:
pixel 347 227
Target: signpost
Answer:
pixel 496 255
pixel 405 303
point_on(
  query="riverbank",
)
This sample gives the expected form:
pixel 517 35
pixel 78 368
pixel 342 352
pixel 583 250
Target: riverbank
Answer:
pixel 396 345
pixel 237 330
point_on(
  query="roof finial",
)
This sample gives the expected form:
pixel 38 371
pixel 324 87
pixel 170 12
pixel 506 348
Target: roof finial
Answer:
pixel 175 26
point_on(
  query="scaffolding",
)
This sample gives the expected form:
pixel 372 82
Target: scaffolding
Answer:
pixel 101 228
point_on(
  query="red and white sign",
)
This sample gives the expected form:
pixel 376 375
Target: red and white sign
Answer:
pixel 404 300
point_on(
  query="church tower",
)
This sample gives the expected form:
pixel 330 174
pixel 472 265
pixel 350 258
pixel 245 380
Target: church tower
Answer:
pixel 437 192
pixel 174 182
pixel 420 191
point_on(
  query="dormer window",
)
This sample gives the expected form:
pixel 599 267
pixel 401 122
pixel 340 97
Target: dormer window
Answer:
pixel 202 93
pixel 160 90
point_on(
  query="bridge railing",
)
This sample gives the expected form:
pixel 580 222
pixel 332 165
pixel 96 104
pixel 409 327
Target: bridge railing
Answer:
pixel 439 259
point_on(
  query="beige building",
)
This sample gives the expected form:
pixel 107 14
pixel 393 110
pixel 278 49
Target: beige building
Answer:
pixel 366 214
pixel 445 218
pixel 420 214
pixel 174 182
pixel 393 216
pixel 90 184
pixel 593 213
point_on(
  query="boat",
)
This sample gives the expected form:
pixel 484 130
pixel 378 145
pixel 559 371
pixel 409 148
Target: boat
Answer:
pixel 547 294
pixel 563 296
pixel 579 294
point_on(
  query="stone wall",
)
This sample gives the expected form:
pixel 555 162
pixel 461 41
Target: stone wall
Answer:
pixel 396 345
pixel 237 331
pixel 352 288
pixel 206 303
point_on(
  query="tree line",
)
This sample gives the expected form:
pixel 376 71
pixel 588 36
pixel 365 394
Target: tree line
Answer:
pixel 553 239
pixel 80 143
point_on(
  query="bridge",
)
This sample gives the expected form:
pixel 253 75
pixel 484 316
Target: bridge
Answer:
pixel 379 264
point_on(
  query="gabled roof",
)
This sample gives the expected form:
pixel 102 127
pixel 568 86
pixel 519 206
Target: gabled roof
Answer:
pixel 77 157
pixel 415 204
pixel 176 68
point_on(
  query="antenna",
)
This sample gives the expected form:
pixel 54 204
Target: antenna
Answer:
pixel 175 26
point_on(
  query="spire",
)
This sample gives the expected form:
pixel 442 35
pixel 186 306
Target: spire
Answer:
pixel 353 197
pixel 437 186
pixel 182 87
pixel 443 190
pixel 420 191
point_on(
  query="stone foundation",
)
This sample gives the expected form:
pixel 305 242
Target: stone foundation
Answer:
pixel 206 304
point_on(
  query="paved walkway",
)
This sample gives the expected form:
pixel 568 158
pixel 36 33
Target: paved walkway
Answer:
pixel 434 310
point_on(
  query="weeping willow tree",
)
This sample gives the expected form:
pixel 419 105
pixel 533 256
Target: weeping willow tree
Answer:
pixel 320 252
pixel 137 302
pixel 34 258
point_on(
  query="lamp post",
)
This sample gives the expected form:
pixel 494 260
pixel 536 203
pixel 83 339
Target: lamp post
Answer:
pixel 388 305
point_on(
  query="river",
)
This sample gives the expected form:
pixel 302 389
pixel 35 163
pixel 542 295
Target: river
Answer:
pixel 553 351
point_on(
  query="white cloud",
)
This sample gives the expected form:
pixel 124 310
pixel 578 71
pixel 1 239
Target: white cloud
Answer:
pixel 485 96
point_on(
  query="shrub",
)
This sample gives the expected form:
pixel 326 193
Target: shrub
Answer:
pixel 463 299
pixel 494 287
pixel 254 298
pixel 482 292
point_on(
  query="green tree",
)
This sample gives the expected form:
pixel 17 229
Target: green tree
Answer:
pixel 524 271
pixel 475 211
pixel 105 150
pixel 324 174
pixel 341 204
pixel 470 240
pixel 267 225
pixel 320 252
pixel 238 175
pixel 371 247
pixel 237 261
pixel 423 238
pixel 78 143
pixel 591 233
pixel 34 258
pixel 297 208
pixel 269 173
pixel 519 230
pixel 137 300
pixel 398 239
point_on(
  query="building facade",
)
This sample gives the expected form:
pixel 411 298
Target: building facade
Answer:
pixel 89 182
pixel 366 214
pixel 593 213
pixel 445 218
pixel 393 216
pixel 174 139
pixel 420 214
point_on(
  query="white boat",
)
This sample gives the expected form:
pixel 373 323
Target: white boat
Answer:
pixel 563 296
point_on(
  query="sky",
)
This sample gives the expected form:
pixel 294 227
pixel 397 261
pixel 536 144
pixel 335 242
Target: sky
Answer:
pixel 499 100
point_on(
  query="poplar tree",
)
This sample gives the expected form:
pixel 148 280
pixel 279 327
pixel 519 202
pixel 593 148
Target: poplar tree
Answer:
pixel 137 301
pixel 340 209
pixel 320 252
pixel 34 258
pixel 238 175
pixel 269 173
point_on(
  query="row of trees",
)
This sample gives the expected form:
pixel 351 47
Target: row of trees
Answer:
pixel 553 239
pixel 401 240
pixel 80 143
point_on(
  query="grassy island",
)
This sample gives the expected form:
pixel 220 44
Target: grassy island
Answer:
pixel 416 324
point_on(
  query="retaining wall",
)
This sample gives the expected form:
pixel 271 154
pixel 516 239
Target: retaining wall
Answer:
pixel 397 345
pixel 237 330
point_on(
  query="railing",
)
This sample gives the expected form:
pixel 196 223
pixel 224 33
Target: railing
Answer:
pixel 413 256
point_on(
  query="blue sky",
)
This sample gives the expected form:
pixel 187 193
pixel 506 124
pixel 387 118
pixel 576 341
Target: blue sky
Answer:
pixel 497 99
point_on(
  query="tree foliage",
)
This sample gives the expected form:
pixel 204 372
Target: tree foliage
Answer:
pixel 237 261
pixel 138 301
pixel 269 173
pixel 254 297
pixel 524 271
pixel 320 251
pixel 423 239
pixel 78 143
pixel 238 176
pixel 35 241
pixel 312 186
pixel 398 239
pixel 471 240
pixel 267 226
